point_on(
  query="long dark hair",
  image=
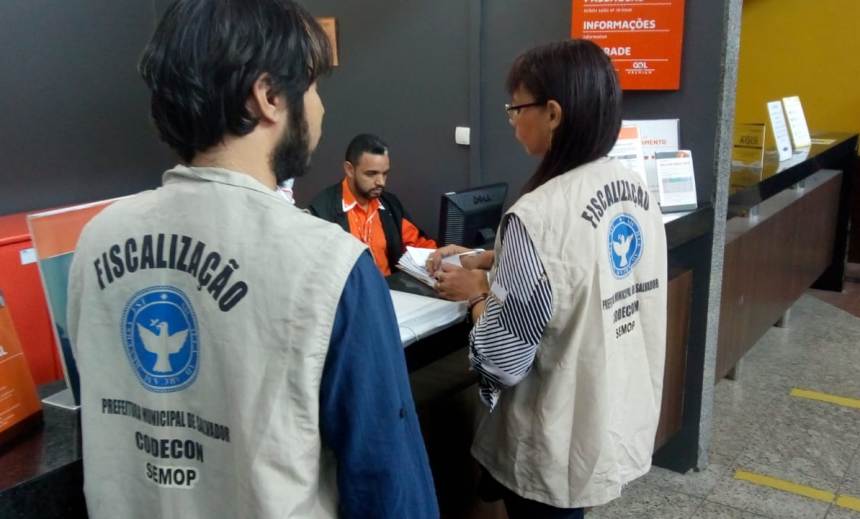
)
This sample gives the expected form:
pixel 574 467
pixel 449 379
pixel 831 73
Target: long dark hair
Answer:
pixel 578 75
pixel 205 56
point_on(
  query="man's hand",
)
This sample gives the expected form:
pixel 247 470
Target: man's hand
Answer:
pixel 459 284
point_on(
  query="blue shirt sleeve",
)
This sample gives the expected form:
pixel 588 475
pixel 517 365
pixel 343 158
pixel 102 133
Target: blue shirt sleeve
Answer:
pixel 367 415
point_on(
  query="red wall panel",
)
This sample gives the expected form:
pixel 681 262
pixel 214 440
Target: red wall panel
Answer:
pixel 22 288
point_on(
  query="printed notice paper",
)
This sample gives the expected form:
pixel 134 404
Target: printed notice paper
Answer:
pixel 796 122
pixel 780 130
pixel 748 149
pixel 18 398
pixel 657 135
pixel 628 150
pixel 677 181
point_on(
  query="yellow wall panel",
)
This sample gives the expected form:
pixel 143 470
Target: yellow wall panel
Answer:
pixel 809 48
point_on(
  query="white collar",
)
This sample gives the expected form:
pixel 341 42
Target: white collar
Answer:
pixel 348 207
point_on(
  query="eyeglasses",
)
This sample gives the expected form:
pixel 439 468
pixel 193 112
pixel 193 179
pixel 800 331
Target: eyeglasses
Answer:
pixel 514 110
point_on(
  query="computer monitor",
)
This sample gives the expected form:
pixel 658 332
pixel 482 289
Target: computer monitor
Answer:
pixel 471 217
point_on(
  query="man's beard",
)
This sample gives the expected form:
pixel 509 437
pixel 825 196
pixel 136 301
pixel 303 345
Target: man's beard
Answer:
pixel 291 158
pixel 370 194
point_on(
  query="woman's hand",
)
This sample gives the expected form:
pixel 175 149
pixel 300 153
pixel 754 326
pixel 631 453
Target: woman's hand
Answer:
pixel 480 260
pixel 459 284
pixel 435 259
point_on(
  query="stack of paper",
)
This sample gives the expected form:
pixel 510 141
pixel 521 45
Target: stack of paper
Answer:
pixel 420 316
pixel 414 263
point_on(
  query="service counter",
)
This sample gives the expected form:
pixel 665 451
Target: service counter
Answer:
pixel 787 231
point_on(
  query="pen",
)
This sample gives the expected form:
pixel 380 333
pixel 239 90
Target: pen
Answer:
pixel 471 252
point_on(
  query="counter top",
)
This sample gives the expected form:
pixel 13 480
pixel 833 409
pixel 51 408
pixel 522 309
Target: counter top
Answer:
pixel 751 187
pixel 687 226
pixel 41 474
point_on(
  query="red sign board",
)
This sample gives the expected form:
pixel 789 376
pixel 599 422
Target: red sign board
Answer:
pixel 643 37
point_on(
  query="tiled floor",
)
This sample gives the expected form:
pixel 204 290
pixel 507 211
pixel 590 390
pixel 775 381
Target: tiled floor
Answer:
pixel 760 428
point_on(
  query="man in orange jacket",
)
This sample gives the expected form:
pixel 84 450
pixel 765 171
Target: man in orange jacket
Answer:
pixel 362 207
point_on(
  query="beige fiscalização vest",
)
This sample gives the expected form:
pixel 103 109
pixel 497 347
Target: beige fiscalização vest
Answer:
pixel 582 423
pixel 201 314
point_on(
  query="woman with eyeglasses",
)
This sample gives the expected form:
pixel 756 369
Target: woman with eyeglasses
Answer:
pixel 570 322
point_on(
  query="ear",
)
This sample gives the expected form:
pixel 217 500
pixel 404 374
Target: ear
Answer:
pixel 348 169
pixel 264 103
pixel 555 113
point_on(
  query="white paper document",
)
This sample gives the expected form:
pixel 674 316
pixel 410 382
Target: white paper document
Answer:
pixel 677 181
pixel 421 316
pixel 657 135
pixel 628 150
pixel 780 130
pixel 414 263
pixel 796 122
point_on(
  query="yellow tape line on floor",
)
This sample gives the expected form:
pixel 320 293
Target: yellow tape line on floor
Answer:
pixel 787 486
pixel 824 397
pixel 851 503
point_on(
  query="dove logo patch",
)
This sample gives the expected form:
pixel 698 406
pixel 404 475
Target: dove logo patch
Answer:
pixel 159 331
pixel 625 244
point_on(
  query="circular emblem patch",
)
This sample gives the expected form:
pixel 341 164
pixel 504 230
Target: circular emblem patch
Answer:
pixel 625 244
pixel 159 331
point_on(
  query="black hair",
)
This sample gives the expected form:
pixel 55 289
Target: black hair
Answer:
pixel 364 143
pixel 579 76
pixel 205 56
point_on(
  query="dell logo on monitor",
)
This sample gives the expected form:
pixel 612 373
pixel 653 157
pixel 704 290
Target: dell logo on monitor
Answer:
pixel 481 199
